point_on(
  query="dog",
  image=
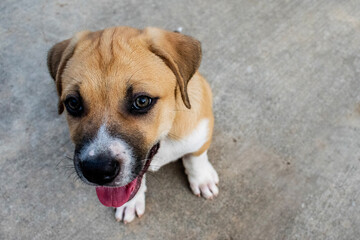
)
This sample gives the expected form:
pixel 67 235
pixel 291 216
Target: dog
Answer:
pixel 134 101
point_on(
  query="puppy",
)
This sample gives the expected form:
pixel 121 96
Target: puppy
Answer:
pixel 134 102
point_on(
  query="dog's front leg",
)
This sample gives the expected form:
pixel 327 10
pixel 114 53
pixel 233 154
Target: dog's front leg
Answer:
pixel 136 206
pixel 202 175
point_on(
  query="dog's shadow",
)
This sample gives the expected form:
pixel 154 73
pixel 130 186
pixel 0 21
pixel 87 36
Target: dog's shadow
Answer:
pixel 170 177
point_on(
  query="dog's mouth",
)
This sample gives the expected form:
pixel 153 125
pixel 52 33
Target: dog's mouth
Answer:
pixel 118 196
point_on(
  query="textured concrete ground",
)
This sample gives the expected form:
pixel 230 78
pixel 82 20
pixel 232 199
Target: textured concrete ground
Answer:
pixel 285 77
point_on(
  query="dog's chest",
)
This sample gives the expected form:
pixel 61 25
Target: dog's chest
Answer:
pixel 171 150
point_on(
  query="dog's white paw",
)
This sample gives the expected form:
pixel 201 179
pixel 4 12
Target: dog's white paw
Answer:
pixel 202 176
pixel 135 206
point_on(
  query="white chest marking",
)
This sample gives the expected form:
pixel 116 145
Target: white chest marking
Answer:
pixel 171 150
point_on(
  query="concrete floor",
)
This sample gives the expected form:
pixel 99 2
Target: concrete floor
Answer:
pixel 286 83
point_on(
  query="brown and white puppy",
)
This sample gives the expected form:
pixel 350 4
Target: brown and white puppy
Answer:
pixel 134 102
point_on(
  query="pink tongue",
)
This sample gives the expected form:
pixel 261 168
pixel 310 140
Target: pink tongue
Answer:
pixel 115 196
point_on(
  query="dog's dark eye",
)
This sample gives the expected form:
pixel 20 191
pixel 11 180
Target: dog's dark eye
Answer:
pixel 142 102
pixel 74 106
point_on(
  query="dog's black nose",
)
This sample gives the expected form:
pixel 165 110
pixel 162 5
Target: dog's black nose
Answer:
pixel 100 170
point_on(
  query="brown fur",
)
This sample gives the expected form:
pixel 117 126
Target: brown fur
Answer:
pixel 102 66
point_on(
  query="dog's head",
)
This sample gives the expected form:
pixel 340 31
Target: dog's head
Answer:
pixel 120 88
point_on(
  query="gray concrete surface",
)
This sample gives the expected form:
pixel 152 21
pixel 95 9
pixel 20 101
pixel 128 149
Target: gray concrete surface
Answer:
pixel 285 77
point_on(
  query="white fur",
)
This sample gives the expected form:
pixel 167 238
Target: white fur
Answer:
pixel 171 150
pixel 118 148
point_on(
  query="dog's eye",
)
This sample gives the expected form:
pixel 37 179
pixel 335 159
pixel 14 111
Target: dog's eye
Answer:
pixel 142 102
pixel 74 106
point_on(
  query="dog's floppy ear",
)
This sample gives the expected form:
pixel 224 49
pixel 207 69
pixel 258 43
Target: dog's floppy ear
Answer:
pixel 181 53
pixel 54 57
pixel 57 58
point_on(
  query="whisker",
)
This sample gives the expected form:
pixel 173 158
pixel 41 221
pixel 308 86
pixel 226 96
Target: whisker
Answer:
pixel 67 168
pixel 69 175
pixel 61 160
pixel 57 165
pixel 76 179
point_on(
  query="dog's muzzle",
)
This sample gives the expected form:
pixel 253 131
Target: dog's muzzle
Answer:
pixel 103 169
